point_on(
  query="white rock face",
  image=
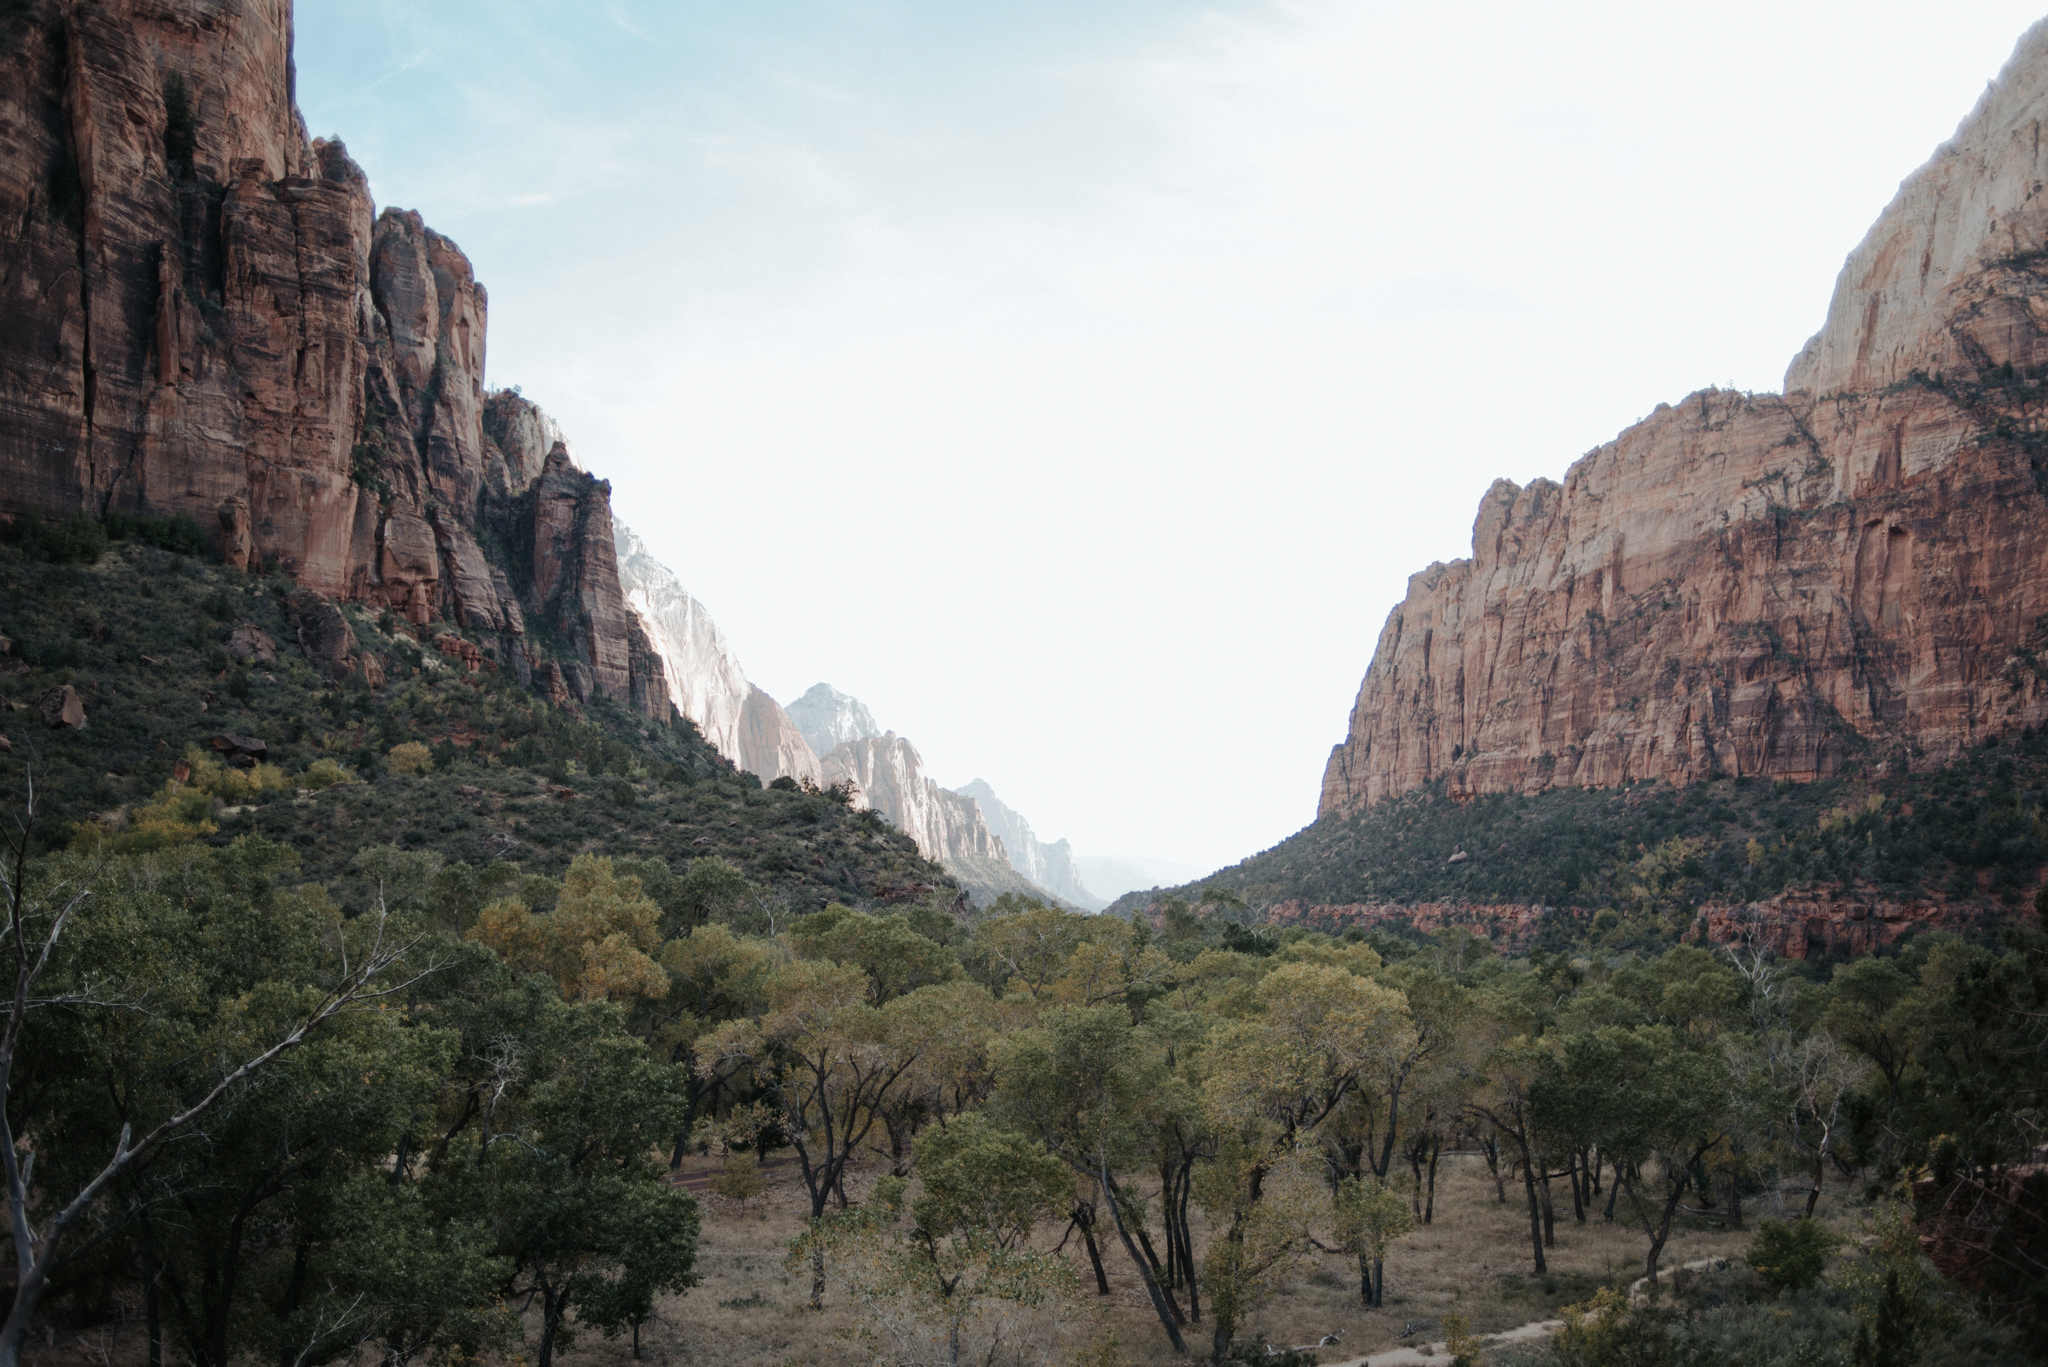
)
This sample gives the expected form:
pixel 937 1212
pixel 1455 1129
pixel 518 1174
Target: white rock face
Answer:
pixel 1964 209
pixel 890 777
pixel 705 680
pixel 829 718
pixel 1049 866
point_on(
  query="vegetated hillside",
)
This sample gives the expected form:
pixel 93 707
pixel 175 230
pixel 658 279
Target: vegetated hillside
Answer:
pixel 1974 835
pixel 143 637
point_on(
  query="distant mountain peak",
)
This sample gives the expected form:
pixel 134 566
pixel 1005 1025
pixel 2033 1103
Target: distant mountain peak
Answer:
pixel 829 718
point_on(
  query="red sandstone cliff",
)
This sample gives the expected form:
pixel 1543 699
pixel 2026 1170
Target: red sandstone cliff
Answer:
pixel 204 315
pixel 1766 584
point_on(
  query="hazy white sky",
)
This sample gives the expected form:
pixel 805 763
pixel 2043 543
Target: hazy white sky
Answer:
pixel 1077 382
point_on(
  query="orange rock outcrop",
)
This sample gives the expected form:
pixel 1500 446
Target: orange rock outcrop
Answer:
pixel 205 316
pixel 1855 570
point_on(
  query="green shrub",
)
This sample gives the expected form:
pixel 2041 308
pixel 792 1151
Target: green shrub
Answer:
pixel 77 538
pixel 1791 1256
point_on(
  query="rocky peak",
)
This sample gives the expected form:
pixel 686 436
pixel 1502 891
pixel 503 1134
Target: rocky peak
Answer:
pixel 1913 294
pixel 829 718
pixel 1755 584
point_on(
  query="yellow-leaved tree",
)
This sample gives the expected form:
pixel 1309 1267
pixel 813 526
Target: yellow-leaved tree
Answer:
pixel 598 942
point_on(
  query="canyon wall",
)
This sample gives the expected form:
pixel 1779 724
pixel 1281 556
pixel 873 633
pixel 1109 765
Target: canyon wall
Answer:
pixel 888 774
pixel 1050 866
pixel 206 317
pixel 704 677
pixel 1853 572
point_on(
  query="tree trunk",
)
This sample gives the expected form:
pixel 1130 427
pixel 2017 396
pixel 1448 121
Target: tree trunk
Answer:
pixel 1187 1251
pixel 1157 1271
pixel 1491 1147
pixel 1820 1168
pixel 551 1311
pixel 1436 1150
pixel 1577 1174
pixel 1535 1203
pixel 1161 1302
pixel 1084 1220
pixel 1365 1281
pixel 1549 1214
pixel 1379 1282
pixel 152 1310
pixel 294 1295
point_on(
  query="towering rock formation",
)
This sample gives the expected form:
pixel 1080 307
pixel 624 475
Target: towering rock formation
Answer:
pixel 206 317
pixel 770 745
pixel 1049 866
pixel 888 774
pixel 829 718
pixel 705 680
pixel 1855 570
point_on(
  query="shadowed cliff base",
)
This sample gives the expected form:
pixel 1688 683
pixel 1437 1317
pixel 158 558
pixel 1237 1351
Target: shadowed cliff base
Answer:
pixel 1833 867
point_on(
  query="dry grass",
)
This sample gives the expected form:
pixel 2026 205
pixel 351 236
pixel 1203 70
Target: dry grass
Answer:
pixel 748 1311
pixel 1474 1258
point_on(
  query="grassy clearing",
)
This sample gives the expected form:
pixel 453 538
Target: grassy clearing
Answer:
pixel 1474 1259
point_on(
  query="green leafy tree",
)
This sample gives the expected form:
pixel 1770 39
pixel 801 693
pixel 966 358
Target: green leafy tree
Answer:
pixel 1791 1257
pixel 1370 1216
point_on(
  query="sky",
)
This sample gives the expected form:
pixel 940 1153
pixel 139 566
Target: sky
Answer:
pixel 1077 382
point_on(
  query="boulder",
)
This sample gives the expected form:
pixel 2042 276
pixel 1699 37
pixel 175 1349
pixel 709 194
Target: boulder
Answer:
pixel 251 644
pixel 326 638
pixel 240 750
pixel 61 709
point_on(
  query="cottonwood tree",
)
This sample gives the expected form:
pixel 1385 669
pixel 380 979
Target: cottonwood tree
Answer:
pixel 1076 1082
pixel 961 1283
pixel 832 1063
pixel 1370 1216
pixel 1270 1081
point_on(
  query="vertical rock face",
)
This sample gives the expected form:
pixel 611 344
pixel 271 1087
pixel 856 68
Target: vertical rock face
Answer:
pixel 829 718
pixel 770 746
pixel 575 586
pixel 889 775
pixel 1049 866
pixel 703 674
pixel 1763 584
pixel 203 316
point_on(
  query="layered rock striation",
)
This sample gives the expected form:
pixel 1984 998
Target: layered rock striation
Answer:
pixel 206 317
pixel 1779 585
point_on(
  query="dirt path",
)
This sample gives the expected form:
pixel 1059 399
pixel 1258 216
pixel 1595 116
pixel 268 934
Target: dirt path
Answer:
pixel 1436 1354
pixel 697 1183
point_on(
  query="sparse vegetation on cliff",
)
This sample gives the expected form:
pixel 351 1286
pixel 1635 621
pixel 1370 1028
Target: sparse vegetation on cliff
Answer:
pixel 1974 834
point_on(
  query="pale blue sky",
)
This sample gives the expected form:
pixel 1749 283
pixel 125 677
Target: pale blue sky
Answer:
pixel 1078 383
